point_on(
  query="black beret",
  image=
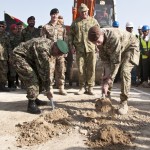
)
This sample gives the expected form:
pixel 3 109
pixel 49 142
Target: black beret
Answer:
pixel 19 23
pixel 54 11
pixel 31 18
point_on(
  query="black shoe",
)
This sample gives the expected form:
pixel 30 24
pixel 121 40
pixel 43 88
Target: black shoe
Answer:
pixel 40 103
pixel 4 89
pixel 33 108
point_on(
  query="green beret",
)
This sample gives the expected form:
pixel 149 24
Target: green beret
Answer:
pixel 62 45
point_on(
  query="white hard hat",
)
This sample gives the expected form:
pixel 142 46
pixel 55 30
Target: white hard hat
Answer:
pixel 129 24
pixel 140 27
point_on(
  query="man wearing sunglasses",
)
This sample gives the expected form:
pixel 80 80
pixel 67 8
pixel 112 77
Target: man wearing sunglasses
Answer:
pixel 4 55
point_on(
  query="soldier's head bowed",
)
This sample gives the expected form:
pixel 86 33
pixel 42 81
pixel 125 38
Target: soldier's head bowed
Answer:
pixel 60 47
pixel 96 35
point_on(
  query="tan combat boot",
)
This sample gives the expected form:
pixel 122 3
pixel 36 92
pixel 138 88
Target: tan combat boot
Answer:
pixel 81 91
pixel 62 91
pixel 90 90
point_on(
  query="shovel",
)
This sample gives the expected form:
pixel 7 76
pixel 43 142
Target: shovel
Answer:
pixel 52 103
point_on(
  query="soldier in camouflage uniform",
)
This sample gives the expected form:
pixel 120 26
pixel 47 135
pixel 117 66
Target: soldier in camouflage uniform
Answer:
pixel 30 31
pixel 4 56
pixel 85 50
pixel 15 40
pixel 121 48
pixel 54 31
pixel 31 61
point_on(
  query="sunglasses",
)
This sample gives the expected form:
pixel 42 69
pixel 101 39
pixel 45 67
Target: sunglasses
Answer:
pixel 2 26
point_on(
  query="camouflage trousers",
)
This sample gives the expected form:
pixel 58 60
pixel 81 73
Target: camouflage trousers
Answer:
pixel 11 72
pixel 57 67
pixel 125 75
pixel 86 68
pixel 3 71
pixel 28 76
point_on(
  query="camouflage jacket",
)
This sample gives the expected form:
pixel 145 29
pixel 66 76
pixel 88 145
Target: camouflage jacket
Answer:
pixel 15 40
pixel 36 52
pixel 117 43
pixel 28 34
pixel 54 32
pixel 78 36
pixel 4 46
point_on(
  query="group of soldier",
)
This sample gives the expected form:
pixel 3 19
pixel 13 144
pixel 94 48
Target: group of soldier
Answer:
pixel 42 54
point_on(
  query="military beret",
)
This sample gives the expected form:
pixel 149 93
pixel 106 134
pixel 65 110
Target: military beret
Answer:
pixel 54 11
pixel 31 18
pixel 62 45
pixel 13 26
pixel 83 7
pixel 94 33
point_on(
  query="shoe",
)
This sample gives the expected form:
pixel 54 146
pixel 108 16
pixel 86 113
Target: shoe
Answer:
pixel 90 91
pixel 33 108
pixel 145 84
pixel 81 91
pixel 40 103
pixel 123 109
pixel 4 89
pixel 62 91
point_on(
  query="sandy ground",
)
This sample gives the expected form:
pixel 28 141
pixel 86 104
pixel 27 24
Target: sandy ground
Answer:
pixel 84 122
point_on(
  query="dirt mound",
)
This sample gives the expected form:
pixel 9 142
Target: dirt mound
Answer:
pixel 109 135
pixel 43 128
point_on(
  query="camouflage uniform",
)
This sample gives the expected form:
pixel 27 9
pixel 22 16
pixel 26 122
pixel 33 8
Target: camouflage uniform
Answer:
pixel 31 61
pixel 85 50
pixel 121 49
pixel 28 34
pixel 4 56
pixel 15 40
pixel 57 62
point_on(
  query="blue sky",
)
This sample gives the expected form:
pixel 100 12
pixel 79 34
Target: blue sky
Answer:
pixel 127 10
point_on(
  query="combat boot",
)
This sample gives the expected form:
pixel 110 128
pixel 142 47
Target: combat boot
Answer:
pixel 90 90
pixel 3 88
pixel 62 91
pixel 81 91
pixel 33 108
pixel 123 109
pixel 40 103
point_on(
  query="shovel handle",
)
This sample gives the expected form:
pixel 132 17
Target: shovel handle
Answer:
pixel 52 103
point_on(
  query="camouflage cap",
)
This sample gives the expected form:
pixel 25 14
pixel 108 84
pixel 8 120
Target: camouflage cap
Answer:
pixel 94 33
pixel 62 45
pixel 83 7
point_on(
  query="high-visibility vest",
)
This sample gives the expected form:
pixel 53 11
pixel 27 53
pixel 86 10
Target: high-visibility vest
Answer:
pixel 146 47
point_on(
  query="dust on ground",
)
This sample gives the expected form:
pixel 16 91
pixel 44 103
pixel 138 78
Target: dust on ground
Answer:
pixel 75 115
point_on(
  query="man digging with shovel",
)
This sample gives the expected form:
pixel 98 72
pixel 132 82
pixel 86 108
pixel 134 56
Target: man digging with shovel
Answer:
pixel 121 49
pixel 31 61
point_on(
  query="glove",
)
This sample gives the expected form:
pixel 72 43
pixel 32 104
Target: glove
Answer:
pixel 105 88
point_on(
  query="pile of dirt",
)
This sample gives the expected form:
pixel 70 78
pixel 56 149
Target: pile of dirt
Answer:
pixel 109 135
pixel 43 128
pixel 104 106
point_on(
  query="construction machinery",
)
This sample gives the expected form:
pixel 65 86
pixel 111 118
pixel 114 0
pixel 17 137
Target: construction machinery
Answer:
pixel 105 13
pixel 103 10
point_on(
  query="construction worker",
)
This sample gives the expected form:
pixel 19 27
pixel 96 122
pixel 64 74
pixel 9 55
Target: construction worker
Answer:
pixel 85 50
pixel 31 61
pixel 54 31
pixel 115 24
pixel 145 50
pixel 129 28
pixel 121 48
pixel 4 56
